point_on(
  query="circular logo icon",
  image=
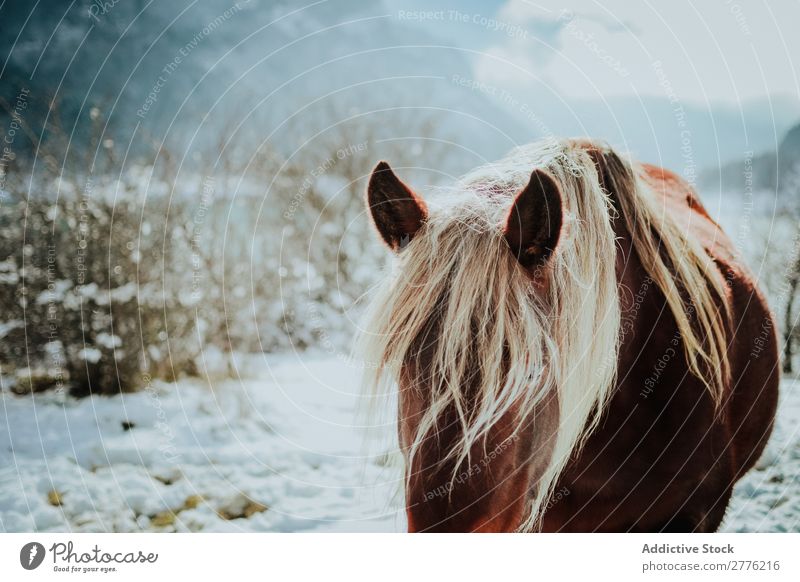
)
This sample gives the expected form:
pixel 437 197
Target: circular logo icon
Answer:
pixel 31 555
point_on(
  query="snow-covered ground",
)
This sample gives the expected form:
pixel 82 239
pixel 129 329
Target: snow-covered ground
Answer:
pixel 275 451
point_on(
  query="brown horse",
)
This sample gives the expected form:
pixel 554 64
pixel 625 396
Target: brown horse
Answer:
pixel 576 344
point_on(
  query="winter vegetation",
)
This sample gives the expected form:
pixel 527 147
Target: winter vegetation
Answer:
pixel 111 277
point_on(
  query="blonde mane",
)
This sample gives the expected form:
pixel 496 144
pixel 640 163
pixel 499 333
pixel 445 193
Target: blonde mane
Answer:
pixel 457 292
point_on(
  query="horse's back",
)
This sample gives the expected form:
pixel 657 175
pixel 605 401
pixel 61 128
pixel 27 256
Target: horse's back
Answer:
pixel 664 458
pixel 684 206
pixel 752 396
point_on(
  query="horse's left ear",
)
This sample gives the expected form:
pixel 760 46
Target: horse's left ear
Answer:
pixel 398 213
pixel 533 225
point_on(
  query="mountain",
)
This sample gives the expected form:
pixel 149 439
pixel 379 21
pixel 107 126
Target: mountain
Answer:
pixel 775 171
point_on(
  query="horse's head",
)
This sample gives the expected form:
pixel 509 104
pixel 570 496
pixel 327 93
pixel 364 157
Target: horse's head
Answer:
pixel 463 328
pixel 501 324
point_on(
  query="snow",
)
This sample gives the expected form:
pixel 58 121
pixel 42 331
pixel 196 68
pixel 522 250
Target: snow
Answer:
pixel 7 326
pixel 280 441
pixel 277 450
pixel 91 355
pixel 767 499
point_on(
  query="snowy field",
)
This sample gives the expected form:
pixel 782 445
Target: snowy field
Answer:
pixel 275 451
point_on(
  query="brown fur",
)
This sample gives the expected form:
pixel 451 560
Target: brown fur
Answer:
pixel 668 461
pixel 666 452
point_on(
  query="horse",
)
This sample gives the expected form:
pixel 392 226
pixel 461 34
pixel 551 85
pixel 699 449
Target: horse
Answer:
pixel 574 343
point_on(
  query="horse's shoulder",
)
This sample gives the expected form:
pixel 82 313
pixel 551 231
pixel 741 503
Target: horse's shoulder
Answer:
pixel 675 190
pixel 681 200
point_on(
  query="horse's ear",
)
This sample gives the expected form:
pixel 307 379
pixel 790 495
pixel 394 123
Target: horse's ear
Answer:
pixel 397 212
pixel 534 222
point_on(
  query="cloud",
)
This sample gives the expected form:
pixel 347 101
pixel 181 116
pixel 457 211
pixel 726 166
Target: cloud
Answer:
pixel 720 51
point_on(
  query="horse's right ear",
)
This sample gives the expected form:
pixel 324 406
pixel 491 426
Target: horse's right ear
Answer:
pixel 533 226
pixel 397 212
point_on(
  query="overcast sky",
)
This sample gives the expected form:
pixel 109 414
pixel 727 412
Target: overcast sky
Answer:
pixel 715 50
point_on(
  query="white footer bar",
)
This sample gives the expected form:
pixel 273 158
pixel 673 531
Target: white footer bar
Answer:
pixel 387 557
